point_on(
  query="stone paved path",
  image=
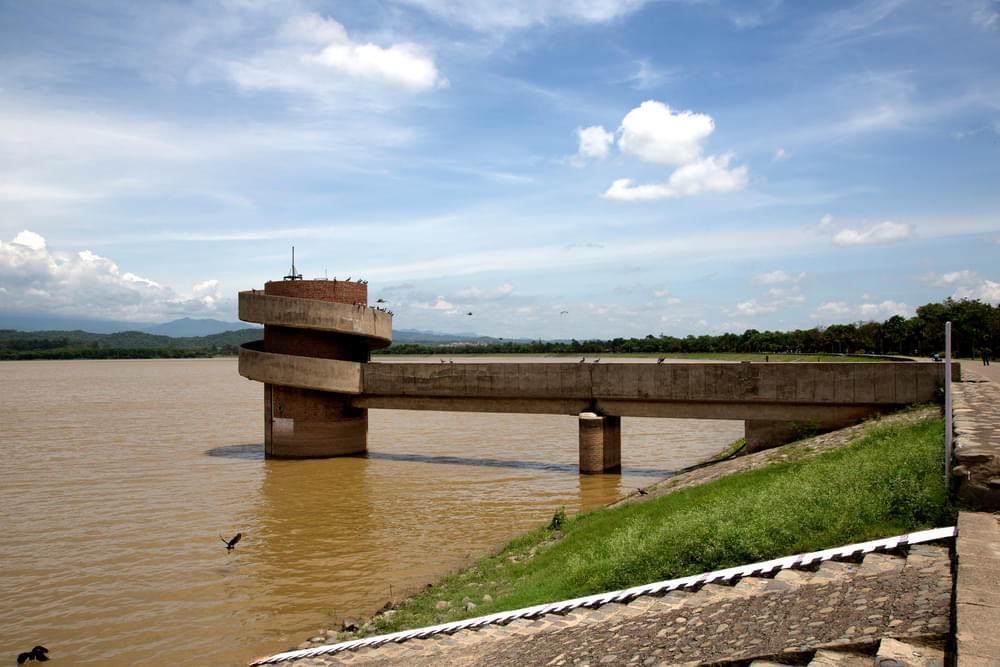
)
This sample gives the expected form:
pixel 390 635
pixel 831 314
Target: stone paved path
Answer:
pixel 840 607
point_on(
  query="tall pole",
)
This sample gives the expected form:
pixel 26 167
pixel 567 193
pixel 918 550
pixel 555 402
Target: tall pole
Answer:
pixel 947 404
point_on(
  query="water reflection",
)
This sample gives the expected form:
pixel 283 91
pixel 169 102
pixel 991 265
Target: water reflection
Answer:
pixel 254 452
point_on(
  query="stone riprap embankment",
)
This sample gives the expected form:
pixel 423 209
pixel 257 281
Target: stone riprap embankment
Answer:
pixel 839 613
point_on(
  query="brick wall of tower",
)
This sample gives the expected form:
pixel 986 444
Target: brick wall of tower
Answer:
pixel 338 291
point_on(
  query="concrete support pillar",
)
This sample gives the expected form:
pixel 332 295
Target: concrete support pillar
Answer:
pixel 600 443
pixel 301 424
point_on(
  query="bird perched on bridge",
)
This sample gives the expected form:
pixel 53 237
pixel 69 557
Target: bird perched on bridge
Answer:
pixel 231 544
pixel 597 360
pixel 583 359
pixel 660 360
pixel 37 653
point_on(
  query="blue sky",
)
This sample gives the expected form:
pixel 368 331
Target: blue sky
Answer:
pixel 564 168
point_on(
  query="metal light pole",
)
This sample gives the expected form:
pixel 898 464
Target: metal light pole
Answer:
pixel 947 404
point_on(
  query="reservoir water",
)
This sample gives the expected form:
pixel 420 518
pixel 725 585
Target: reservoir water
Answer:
pixel 120 477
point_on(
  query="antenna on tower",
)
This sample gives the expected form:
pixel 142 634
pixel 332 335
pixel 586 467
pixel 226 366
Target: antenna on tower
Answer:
pixel 293 275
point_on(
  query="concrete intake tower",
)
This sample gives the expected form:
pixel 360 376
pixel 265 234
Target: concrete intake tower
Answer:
pixel 317 333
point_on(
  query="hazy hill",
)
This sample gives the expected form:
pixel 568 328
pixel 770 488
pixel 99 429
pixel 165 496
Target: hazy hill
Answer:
pixel 184 327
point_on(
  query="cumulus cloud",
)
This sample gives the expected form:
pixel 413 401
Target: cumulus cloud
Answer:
pixel 37 279
pixel 710 174
pixel 752 307
pixel 832 309
pixel 885 310
pixel 440 304
pixel 966 284
pixel 780 155
pixel 315 55
pixel 595 142
pixel 882 232
pixel 869 311
pixel 656 134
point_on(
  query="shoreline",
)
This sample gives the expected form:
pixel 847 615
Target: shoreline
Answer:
pixel 806 448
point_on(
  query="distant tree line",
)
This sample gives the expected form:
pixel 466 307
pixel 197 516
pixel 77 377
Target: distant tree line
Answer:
pixel 974 325
pixel 24 345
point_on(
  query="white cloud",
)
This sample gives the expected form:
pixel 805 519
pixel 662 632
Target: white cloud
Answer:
pixel 786 296
pixel 654 133
pixel 34 192
pixel 986 16
pixel 30 240
pixel 710 174
pixel 660 292
pixel 84 284
pixel 885 310
pixel 479 294
pixel 752 307
pixel 775 277
pixel 595 141
pixel 882 232
pixel 296 65
pixel 657 135
pixel 780 155
pixel 488 15
pixel 967 285
pixel 832 309
pixel 440 304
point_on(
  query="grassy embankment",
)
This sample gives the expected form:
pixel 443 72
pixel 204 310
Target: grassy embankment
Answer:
pixel 887 482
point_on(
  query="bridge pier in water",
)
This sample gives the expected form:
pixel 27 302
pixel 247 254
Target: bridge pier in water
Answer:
pixel 600 443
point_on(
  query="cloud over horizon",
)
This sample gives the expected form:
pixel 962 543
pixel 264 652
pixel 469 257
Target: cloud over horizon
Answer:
pixel 83 284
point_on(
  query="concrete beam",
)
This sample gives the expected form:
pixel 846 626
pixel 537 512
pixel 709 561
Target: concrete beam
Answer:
pixel 832 384
pixel 330 375
pixel 343 318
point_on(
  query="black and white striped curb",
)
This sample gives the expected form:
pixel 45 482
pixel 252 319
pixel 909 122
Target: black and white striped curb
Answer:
pixel 622 596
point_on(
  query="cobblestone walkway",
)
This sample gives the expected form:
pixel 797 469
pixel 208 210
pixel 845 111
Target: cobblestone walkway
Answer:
pixel 824 614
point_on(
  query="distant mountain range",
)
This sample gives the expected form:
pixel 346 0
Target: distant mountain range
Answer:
pixel 182 328
pixel 189 328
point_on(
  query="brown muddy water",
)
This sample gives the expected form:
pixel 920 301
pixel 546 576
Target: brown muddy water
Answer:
pixel 119 478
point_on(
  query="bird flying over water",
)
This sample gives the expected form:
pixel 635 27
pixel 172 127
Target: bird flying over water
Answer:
pixel 563 312
pixel 381 301
pixel 231 544
pixel 469 313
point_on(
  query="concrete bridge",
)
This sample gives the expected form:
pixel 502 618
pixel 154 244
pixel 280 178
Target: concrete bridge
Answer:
pixel 319 383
